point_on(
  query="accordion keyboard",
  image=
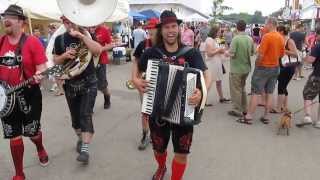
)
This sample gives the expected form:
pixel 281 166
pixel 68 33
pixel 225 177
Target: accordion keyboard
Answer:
pixel 152 77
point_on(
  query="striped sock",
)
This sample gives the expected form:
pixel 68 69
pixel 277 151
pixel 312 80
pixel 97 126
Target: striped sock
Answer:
pixel 85 147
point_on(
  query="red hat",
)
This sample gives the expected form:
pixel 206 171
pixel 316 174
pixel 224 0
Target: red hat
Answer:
pixel 152 23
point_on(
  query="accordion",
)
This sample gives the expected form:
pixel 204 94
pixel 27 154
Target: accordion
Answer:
pixel 168 91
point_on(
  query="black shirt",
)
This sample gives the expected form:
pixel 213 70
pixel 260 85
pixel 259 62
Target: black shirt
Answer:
pixel 315 52
pixel 256 31
pixel 70 41
pixel 193 57
pixel 142 46
pixel 298 38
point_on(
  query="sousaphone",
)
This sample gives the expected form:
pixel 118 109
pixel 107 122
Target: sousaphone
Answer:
pixel 84 13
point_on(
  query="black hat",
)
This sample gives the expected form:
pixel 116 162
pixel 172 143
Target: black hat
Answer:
pixel 168 17
pixel 14 10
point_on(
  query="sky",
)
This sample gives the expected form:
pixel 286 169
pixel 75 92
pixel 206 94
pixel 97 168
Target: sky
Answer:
pixel 250 6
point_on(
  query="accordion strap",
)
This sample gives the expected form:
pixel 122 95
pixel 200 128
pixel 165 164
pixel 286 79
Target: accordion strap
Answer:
pixel 184 50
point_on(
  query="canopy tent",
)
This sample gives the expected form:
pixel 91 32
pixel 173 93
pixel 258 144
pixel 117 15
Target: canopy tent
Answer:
pixel 137 16
pixel 49 10
pixel 150 13
pixel 195 17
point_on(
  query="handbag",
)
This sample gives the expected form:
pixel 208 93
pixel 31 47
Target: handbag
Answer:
pixel 289 61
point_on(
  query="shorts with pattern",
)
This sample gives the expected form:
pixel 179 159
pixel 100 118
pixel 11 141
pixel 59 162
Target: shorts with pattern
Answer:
pixel 264 80
pixel 312 88
pixel 160 135
pixel 24 122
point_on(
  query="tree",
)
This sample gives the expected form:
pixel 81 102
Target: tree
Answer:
pixel 257 18
pixel 218 9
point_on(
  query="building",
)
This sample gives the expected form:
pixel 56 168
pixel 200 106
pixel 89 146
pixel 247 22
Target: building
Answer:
pixel 183 8
pixel 311 12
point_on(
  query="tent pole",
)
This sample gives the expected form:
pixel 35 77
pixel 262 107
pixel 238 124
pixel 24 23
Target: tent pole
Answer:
pixel 29 22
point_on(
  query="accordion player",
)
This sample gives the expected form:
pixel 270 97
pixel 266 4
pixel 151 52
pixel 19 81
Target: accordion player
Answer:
pixel 171 82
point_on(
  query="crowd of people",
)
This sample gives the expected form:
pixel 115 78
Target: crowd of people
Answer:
pixel 278 56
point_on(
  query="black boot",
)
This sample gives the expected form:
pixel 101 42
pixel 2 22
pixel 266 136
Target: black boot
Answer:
pixel 107 102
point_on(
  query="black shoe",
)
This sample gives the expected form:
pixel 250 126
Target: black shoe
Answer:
pixel 145 141
pixel 79 144
pixel 107 102
pixel 83 157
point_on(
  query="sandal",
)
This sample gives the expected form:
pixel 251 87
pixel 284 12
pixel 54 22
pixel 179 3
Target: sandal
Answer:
pixel 243 120
pixel 208 105
pixel 264 120
pixel 224 100
pixel 261 105
pixel 274 111
pixel 235 113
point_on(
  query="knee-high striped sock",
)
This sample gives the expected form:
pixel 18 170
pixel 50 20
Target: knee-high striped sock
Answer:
pixel 85 147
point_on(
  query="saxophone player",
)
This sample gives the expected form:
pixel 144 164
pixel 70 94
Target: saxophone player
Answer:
pixel 81 90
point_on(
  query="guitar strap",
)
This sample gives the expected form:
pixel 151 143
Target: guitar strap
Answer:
pixel 23 104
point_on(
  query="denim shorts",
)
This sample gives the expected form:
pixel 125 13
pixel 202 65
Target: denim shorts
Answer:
pixel 264 80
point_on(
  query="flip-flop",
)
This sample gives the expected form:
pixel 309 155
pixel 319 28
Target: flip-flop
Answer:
pixel 244 121
pixel 261 105
pixel 208 105
pixel 264 120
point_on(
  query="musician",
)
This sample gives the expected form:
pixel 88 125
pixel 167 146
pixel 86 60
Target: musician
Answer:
pixel 168 41
pixel 102 35
pixel 26 115
pixel 142 46
pixel 81 90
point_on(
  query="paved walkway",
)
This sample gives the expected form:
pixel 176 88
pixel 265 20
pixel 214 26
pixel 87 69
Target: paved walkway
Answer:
pixel 222 149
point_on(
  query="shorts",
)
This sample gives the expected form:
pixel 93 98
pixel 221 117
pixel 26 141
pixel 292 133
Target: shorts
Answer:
pixel 160 132
pixel 101 72
pixel 312 88
pixel 81 105
pixel 264 80
pixel 20 123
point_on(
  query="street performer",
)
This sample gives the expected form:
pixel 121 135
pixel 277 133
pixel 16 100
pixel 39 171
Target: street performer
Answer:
pixel 102 34
pixel 169 43
pixel 136 75
pixel 28 59
pixel 81 90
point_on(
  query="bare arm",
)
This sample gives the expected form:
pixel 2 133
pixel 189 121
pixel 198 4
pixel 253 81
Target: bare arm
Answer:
pixel 212 50
pixel 93 46
pixel 292 49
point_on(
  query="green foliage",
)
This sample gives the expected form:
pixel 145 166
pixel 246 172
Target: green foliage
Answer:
pixel 218 9
pixel 256 18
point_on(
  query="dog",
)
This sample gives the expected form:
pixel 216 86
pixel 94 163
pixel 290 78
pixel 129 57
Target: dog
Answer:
pixel 285 123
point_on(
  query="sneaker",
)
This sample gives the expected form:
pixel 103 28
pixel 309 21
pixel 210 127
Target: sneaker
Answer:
pixel 159 175
pixel 83 157
pixel 43 158
pixel 78 147
pixel 144 143
pixel 18 177
pixel 317 125
pixel 306 121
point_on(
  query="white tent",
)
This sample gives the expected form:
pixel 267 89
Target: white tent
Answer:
pixel 196 17
pixel 48 9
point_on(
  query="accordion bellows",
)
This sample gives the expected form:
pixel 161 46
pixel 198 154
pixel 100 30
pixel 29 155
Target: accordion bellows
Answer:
pixel 168 91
